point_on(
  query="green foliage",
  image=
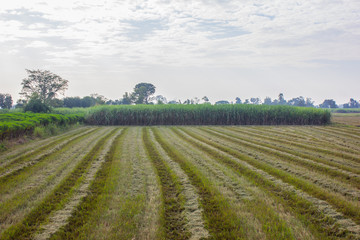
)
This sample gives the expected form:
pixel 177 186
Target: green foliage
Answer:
pixel 18 124
pixel 204 114
pixel 142 93
pixel 43 83
pixel 5 101
pixel 328 103
pixel 35 105
pixel 3 147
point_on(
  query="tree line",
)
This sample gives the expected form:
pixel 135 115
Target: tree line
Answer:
pixel 40 91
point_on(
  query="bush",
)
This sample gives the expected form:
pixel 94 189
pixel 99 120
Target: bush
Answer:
pixel 36 106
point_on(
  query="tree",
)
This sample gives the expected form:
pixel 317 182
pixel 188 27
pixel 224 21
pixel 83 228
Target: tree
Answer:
pixel 159 99
pixel 206 100
pixel 35 105
pixel 255 101
pixel 281 100
pixel 352 104
pixel 267 101
pixel 99 99
pixel 5 101
pixel 56 103
pixel 142 93
pixel 126 100
pixel 222 102
pixel 237 100
pixel 45 84
pixel 328 103
pixel 299 102
pixel 309 102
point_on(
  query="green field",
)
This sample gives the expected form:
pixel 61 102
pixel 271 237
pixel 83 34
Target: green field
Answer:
pixel 184 182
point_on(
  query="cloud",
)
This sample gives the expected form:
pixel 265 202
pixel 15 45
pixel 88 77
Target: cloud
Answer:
pixel 246 33
pixel 38 44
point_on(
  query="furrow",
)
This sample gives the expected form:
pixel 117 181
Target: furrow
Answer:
pixel 60 217
pixel 21 164
pixel 214 170
pixel 298 148
pixel 221 220
pixel 38 215
pixel 297 193
pixel 173 219
pixel 192 211
pixel 339 134
pixel 128 202
pixel 351 193
pixel 307 134
pixel 22 197
pixel 329 140
pixel 342 175
pixel 34 146
pixel 262 216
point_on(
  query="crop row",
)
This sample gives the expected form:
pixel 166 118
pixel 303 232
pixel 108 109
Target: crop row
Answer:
pixel 181 183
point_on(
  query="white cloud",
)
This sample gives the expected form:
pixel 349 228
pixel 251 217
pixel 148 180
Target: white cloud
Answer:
pixel 136 34
pixel 38 44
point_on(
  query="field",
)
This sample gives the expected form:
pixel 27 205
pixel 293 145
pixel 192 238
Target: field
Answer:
pixel 347 118
pixel 189 182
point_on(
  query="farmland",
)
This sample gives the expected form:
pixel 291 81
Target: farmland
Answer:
pixel 184 182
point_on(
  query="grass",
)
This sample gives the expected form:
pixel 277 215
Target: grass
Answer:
pixel 284 154
pixel 296 203
pixel 32 221
pixel 248 183
pixel 88 204
pixel 204 114
pixel 173 200
pixel 220 218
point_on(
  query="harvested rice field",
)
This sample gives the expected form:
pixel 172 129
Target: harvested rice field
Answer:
pixel 203 182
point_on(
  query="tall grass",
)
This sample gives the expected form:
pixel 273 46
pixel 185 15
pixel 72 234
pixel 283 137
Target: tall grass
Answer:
pixel 206 115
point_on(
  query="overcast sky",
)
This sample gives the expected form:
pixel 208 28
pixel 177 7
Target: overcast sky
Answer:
pixel 221 49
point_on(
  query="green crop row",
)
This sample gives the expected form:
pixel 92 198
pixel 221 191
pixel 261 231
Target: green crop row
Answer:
pixel 203 114
pixel 17 124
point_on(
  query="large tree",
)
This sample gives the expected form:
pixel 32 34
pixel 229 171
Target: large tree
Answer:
pixel 142 93
pixel 5 101
pixel 328 103
pixel 43 83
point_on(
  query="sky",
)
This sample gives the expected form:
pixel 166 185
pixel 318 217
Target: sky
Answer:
pixel 221 49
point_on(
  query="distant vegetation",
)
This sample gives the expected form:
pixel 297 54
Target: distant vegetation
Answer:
pixel 41 88
pixel 204 114
pixel 18 124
